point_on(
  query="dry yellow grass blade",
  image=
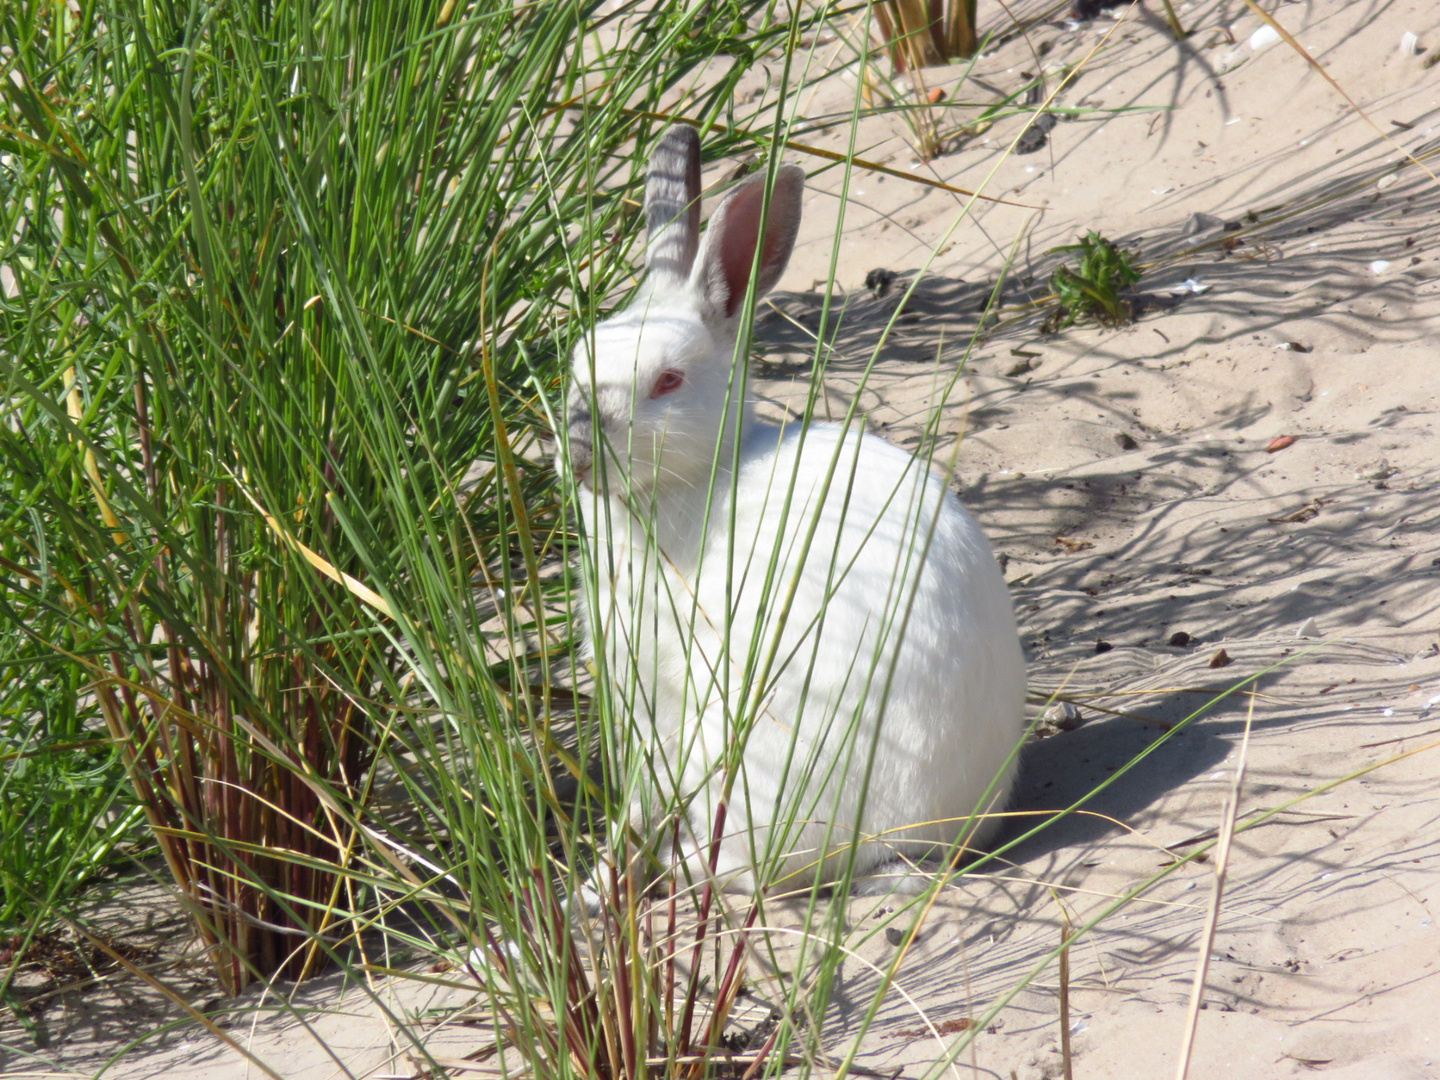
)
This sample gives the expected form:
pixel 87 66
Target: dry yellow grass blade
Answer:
pixel 75 407
pixel 357 588
pixel 1212 914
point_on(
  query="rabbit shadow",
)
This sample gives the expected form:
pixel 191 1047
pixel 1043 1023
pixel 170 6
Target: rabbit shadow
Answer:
pixel 1111 771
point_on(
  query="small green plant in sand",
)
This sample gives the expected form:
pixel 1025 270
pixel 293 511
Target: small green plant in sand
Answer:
pixel 1092 288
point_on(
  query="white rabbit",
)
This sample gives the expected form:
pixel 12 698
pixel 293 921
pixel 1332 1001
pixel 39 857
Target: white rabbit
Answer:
pixel 803 614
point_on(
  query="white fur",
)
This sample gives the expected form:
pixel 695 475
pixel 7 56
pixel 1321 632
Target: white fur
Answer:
pixel 831 597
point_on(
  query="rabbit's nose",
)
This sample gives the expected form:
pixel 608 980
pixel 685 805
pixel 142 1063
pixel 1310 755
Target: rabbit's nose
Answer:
pixel 580 450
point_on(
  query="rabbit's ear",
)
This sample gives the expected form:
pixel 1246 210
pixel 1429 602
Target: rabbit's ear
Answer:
pixel 722 271
pixel 672 206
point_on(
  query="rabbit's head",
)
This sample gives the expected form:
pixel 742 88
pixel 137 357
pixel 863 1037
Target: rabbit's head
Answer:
pixel 650 401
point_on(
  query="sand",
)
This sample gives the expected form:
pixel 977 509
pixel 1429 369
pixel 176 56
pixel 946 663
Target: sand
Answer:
pixel 1127 479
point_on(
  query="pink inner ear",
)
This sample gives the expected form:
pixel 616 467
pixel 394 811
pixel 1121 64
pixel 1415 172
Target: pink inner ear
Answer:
pixel 742 227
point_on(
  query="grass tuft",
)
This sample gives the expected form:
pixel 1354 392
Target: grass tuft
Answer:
pixel 1092 287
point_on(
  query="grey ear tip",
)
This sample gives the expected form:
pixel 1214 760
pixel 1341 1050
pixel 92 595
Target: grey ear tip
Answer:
pixel 680 137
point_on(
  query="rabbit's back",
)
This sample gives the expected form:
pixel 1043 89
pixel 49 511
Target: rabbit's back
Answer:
pixel 868 610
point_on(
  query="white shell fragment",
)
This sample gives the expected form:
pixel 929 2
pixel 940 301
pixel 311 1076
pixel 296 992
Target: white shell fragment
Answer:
pixel 1189 287
pixel 1309 628
pixel 1409 43
pixel 1263 38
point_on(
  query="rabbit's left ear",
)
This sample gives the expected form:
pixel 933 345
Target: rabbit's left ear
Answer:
pixel 722 269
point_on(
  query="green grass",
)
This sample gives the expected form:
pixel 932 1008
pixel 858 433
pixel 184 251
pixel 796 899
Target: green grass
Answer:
pixel 65 813
pixel 1092 287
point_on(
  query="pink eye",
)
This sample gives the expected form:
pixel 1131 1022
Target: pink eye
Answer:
pixel 667 382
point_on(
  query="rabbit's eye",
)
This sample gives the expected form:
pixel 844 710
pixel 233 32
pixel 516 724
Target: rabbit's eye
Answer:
pixel 667 382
